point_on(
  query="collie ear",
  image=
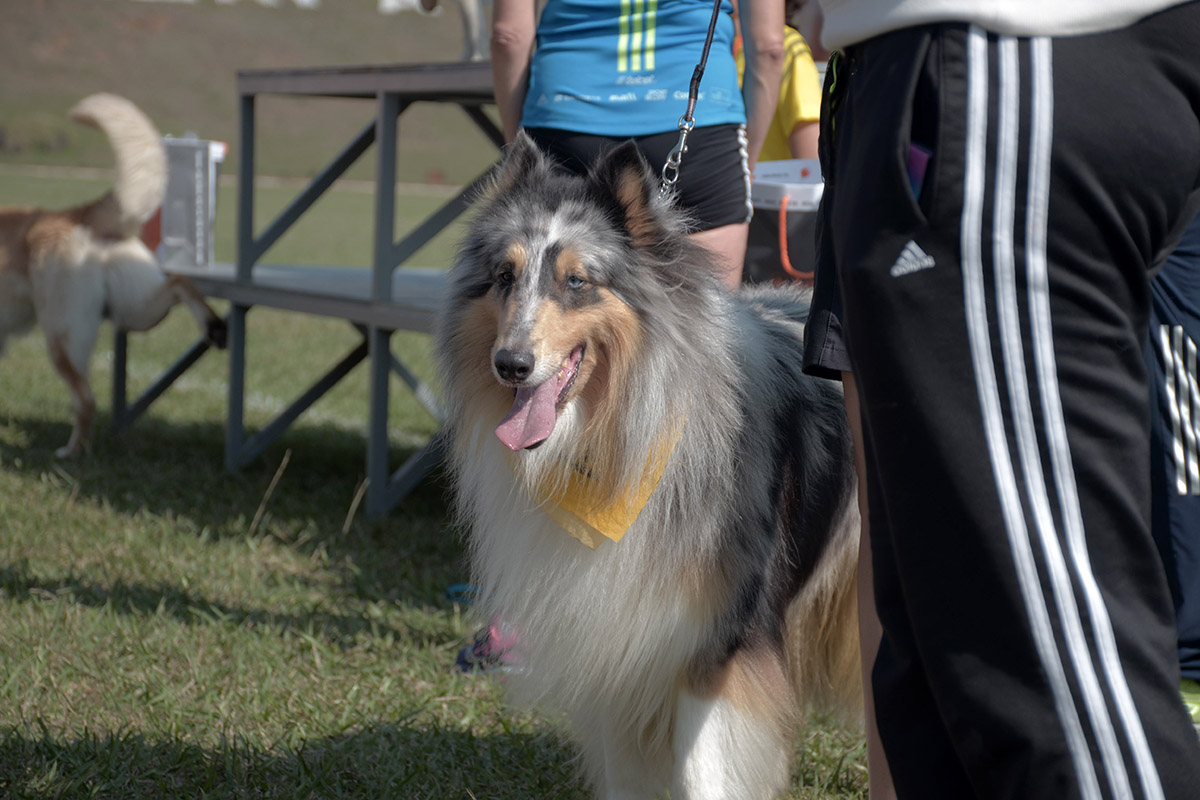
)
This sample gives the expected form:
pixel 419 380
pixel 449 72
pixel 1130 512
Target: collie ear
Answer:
pixel 622 177
pixel 522 159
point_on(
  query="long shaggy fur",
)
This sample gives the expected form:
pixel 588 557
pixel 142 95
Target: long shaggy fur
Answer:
pixel 728 607
pixel 66 270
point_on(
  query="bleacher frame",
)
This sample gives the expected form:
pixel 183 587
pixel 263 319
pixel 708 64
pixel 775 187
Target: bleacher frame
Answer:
pixel 378 300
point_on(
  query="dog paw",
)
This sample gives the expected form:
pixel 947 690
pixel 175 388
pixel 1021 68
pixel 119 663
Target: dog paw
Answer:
pixel 68 451
pixel 217 333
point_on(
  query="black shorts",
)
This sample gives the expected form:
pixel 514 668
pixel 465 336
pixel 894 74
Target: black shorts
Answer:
pixel 714 176
pixel 825 352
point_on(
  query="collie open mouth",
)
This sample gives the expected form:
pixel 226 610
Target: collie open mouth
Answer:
pixel 535 408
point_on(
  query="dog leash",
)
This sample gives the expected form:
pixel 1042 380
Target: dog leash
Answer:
pixel 670 170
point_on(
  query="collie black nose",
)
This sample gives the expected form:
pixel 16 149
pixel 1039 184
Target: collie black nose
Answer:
pixel 513 365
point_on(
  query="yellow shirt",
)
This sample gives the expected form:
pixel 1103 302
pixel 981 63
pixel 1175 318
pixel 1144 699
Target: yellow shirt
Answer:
pixel 799 94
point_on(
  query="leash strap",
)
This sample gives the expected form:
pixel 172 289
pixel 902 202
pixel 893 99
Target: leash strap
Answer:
pixel 670 170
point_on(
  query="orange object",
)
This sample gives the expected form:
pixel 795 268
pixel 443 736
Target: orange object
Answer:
pixel 152 231
pixel 783 249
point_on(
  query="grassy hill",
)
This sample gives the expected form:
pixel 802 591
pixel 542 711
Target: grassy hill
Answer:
pixel 179 60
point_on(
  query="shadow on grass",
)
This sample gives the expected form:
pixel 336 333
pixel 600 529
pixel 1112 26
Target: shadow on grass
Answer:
pixel 138 467
pixel 342 630
pixel 389 760
pixel 176 470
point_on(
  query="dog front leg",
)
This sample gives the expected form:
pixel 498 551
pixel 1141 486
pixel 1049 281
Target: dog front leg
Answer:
pixel 615 765
pixel 734 742
pixel 627 776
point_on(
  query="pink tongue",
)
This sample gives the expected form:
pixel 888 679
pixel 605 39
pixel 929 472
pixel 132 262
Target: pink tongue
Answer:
pixel 532 417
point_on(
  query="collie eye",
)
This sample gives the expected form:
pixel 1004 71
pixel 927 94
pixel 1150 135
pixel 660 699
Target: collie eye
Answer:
pixel 575 282
pixel 505 277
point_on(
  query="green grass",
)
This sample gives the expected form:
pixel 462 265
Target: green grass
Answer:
pixel 171 630
pixel 179 62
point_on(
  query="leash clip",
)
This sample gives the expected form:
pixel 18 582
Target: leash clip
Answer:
pixel 670 170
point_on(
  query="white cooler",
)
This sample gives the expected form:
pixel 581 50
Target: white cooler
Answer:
pixel 190 205
pixel 782 245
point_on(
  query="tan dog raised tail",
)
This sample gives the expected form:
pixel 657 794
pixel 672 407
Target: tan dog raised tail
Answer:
pixel 66 270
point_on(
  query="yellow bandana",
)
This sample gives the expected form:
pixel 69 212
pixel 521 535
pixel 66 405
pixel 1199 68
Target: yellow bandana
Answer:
pixel 580 515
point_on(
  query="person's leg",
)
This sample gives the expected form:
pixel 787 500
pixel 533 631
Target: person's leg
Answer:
pixel 825 356
pixel 902 702
pixel 714 188
pixel 728 245
pixel 1175 444
pixel 994 323
pixel 879 777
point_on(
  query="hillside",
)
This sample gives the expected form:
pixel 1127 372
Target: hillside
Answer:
pixel 178 60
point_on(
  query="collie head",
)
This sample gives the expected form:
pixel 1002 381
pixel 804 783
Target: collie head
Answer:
pixel 575 304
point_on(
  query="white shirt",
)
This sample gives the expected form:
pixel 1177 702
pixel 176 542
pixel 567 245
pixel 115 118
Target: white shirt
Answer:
pixel 851 21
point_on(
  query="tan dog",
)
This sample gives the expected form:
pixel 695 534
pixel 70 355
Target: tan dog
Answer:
pixel 66 270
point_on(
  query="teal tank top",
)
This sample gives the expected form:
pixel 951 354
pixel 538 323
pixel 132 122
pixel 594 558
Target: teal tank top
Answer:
pixel 622 67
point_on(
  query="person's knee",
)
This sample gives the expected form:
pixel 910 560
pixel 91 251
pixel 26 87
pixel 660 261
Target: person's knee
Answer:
pixel 728 246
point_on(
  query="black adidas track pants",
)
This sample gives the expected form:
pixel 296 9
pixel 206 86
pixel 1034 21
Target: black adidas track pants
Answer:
pixel 994 309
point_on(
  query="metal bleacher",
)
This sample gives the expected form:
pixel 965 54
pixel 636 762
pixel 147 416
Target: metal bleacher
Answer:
pixel 387 296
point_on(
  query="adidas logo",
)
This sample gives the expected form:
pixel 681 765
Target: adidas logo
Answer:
pixel 911 259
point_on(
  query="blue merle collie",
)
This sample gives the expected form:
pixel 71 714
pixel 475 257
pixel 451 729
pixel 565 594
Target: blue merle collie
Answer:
pixel 658 501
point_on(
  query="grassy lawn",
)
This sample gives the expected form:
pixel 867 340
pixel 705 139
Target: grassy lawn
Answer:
pixel 179 61
pixel 171 630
